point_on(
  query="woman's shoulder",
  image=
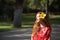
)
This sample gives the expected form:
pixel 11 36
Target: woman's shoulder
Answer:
pixel 48 27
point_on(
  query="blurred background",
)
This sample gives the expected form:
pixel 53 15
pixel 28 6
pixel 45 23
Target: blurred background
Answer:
pixel 26 14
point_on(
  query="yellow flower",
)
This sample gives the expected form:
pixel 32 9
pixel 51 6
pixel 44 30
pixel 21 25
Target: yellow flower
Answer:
pixel 42 15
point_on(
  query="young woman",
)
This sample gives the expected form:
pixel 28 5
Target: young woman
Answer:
pixel 41 29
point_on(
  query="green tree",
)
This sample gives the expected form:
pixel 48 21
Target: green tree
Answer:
pixel 7 8
pixel 36 4
pixel 55 6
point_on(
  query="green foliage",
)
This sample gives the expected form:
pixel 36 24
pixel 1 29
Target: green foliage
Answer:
pixel 36 4
pixel 7 9
pixel 29 4
pixel 55 6
pixel 50 2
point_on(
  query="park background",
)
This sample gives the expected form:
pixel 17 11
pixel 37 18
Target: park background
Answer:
pixel 17 18
pixel 30 8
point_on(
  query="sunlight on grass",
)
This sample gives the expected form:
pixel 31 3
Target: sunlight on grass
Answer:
pixel 8 28
pixel 5 27
pixel 54 16
pixel 27 26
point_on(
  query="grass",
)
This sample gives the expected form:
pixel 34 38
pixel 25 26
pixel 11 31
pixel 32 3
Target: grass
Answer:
pixel 5 28
pixel 9 28
pixel 55 19
pixel 27 22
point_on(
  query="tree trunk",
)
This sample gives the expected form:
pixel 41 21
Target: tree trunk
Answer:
pixel 18 14
pixel 47 7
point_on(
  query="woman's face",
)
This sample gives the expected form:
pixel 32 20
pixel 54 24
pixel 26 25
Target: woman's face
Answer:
pixel 39 15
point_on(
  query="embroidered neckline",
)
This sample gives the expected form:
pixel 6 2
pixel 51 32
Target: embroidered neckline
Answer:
pixel 42 26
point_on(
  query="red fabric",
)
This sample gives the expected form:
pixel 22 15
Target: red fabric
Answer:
pixel 43 34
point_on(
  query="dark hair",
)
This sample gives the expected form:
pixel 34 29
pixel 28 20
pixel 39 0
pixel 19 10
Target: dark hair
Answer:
pixel 45 21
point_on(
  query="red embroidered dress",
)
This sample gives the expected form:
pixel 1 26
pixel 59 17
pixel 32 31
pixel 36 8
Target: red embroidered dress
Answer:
pixel 43 34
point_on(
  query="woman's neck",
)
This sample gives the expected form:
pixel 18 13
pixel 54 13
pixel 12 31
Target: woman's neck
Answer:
pixel 42 25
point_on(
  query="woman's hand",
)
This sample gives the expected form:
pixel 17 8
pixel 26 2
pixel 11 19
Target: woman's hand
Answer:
pixel 32 36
